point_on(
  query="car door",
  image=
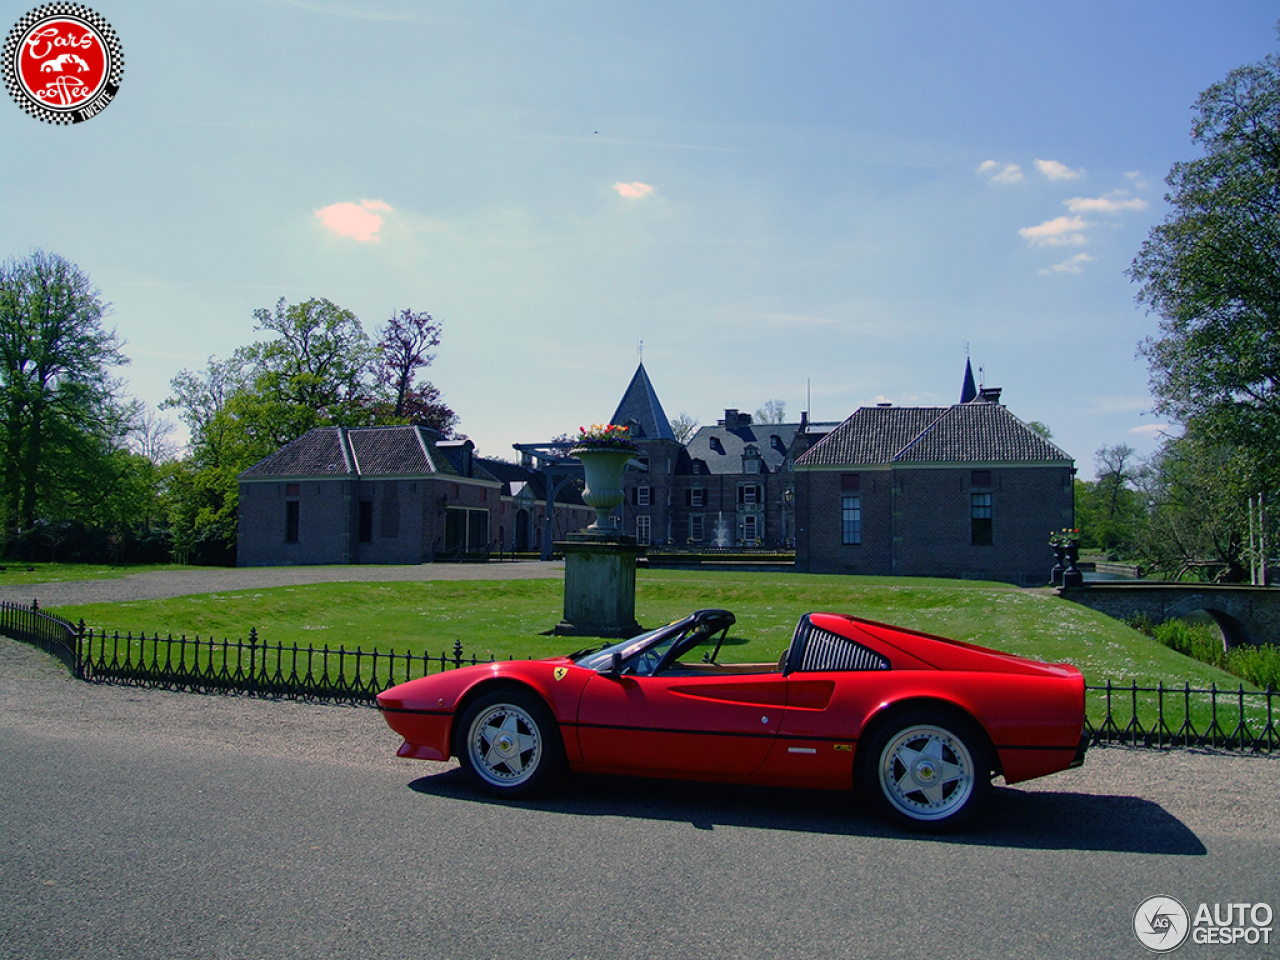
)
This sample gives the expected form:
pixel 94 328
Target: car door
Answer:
pixel 714 724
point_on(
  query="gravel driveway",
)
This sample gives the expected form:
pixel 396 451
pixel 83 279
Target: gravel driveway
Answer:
pixel 160 584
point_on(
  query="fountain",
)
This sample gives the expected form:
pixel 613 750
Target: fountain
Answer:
pixel 722 532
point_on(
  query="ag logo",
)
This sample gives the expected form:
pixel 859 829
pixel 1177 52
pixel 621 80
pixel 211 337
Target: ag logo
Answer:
pixel 1161 924
pixel 62 63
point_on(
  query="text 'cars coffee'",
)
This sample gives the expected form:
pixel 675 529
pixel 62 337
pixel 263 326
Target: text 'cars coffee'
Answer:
pixel 917 724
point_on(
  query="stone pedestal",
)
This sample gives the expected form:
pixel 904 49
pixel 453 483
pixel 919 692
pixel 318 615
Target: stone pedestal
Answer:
pixel 599 586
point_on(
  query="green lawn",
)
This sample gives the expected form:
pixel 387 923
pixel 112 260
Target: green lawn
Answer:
pixel 19 572
pixel 507 618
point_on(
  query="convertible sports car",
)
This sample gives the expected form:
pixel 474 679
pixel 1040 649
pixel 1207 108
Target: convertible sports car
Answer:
pixel 919 724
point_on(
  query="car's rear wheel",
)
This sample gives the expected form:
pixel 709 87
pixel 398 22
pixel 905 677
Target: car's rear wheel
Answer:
pixel 928 769
pixel 509 743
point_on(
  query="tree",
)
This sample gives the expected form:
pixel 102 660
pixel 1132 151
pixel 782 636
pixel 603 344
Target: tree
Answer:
pixel 402 351
pixel 1211 270
pixel 317 370
pixel 1041 428
pixel 1197 490
pixel 773 411
pixel 61 411
pixel 1109 511
pixel 684 427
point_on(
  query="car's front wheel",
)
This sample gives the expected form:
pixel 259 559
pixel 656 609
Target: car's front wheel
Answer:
pixel 509 743
pixel 927 770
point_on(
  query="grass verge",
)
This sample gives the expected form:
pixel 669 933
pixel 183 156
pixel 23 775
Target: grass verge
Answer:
pixel 506 618
pixel 15 573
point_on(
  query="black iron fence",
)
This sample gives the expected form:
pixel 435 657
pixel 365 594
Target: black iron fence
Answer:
pixel 1159 716
pixel 51 634
pixel 208 665
pixel 1185 716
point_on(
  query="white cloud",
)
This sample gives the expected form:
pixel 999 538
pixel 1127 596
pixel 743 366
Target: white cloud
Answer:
pixel 1114 202
pixel 1149 430
pixel 1057 171
pixel 360 222
pixel 1139 181
pixel 1008 173
pixel 633 191
pixel 1058 232
pixel 1073 265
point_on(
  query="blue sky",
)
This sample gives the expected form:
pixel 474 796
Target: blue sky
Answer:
pixel 780 200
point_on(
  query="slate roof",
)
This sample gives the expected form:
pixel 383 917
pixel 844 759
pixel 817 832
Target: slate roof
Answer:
pixel 721 448
pixel 975 432
pixel 361 451
pixel 395 452
pixel 640 404
pixel 390 452
pixel 317 453
pixel 514 477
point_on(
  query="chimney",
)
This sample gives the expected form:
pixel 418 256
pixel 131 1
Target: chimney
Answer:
pixel 989 395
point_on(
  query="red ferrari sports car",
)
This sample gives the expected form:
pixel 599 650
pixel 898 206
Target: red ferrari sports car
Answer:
pixel 919 724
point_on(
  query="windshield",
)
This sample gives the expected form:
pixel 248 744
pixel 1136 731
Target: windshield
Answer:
pixel 642 655
pixel 627 648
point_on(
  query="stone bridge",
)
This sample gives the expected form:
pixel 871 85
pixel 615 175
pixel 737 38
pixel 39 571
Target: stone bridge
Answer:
pixel 1244 614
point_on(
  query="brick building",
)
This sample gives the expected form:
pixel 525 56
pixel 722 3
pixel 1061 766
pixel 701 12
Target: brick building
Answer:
pixel 391 495
pixel 731 485
pixel 962 491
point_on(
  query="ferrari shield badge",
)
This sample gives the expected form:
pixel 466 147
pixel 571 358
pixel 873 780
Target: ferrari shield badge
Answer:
pixel 560 672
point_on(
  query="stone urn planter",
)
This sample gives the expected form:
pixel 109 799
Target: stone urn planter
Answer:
pixel 1071 576
pixel 1066 548
pixel 1055 575
pixel 603 468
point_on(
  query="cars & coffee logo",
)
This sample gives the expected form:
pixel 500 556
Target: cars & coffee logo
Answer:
pixel 62 63
pixel 1161 924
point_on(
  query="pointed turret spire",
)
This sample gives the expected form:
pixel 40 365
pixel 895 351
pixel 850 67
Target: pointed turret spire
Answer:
pixel 970 389
pixel 639 405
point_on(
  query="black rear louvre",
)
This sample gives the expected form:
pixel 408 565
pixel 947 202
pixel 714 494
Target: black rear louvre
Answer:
pixel 814 650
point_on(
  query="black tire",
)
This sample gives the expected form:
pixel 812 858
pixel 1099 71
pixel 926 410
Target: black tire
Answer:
pixel 509 744
pixel 928 769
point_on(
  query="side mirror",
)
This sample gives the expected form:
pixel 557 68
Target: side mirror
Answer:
pixel 614 669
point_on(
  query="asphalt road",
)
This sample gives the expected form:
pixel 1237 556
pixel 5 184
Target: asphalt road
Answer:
pixel 143 824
